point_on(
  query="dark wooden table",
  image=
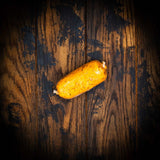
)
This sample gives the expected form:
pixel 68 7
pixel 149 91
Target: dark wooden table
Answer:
pixel 42 42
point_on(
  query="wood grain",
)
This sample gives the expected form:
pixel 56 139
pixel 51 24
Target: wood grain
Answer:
pixel 60 49
pixel 111 105
pixel 148 80
pixel 42 42
pixel 17 89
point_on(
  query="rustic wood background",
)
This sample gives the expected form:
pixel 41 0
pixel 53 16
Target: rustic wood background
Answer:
pixel 42 42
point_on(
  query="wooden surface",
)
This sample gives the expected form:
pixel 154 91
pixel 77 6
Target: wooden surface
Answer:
pixel 60 49
pixel 18 83
pixel 41 43
pixel 148 78
pixel 111 105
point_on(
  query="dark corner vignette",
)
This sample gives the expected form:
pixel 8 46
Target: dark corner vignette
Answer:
pixel 146 17
pixel 148 131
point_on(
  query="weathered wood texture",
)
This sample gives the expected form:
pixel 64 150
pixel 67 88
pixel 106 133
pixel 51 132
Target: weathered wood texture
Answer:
pixel 60 50
pixel 111 105
pixel 42 42
pixel 148 78
pixel 17 82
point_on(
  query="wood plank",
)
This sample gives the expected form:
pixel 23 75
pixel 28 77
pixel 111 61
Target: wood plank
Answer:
pixel 111 105
pixel 17 79
pixel 60 49
pixel 148 74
